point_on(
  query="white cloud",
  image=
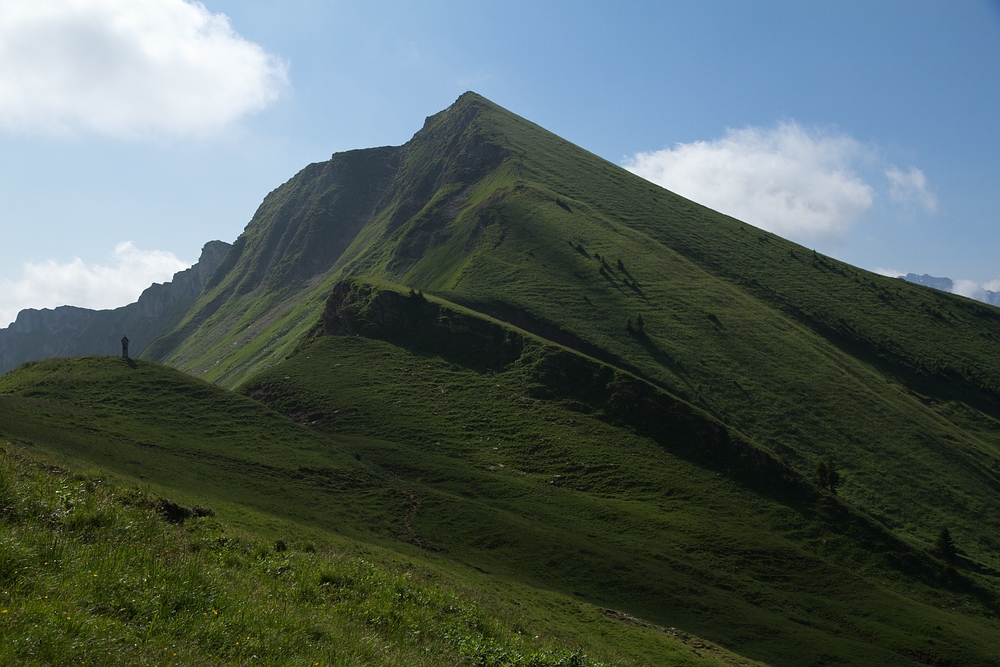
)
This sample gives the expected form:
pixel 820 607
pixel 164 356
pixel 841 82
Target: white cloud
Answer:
pixel 910 188
pixel 987 292
pixel 969 288
pixel 788 180
pixel 50 284
pixel 889 273
pixel 128 68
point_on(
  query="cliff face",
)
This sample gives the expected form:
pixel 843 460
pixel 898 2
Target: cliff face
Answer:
pixel 68 331
pixel 376 211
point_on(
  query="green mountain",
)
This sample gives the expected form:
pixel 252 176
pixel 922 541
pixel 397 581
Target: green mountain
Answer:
pixel 494 350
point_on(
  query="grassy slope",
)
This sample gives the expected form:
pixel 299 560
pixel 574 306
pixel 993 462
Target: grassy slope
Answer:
pixel 808 356
pixel 805 355
pixel 199 589
pixel 624 525
pixel 91 574
pixel 158 424
pixel 543 492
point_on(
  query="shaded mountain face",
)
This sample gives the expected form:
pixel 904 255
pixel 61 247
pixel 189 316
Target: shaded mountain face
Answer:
pixel 943 284
pixel 328 217
pixel 68 331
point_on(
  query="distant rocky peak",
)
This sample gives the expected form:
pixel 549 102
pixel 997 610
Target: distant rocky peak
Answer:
pixel 943 284
pixel 949 285
pixel 71 331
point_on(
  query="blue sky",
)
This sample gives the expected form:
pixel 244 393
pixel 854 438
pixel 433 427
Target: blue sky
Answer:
pixel 132 132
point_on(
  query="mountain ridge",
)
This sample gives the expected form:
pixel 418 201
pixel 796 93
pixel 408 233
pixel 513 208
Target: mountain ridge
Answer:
pixel 73 331
pixel 562 374
pixel 570 244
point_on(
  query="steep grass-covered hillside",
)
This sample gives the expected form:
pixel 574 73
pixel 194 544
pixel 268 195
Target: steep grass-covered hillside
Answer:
pixel 494 351
pixel 395 437
pixel 98 571
pixel 810 358
pixel 534 462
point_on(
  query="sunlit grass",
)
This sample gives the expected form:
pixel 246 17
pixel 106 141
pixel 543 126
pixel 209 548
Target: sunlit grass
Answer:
pixel 92 573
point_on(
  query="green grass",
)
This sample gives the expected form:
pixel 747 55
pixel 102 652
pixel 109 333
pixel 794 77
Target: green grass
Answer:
pixel 91 573
pixel 412 444
pixel 808 357
pixel 463 470
pixel 554 497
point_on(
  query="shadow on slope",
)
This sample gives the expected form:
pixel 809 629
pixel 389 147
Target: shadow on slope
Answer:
pixel 525 459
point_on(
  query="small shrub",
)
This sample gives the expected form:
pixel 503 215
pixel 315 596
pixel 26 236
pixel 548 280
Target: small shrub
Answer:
pixel 827 475
pixel 944 546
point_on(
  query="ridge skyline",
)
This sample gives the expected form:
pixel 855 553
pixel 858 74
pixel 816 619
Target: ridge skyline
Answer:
pixel 904 115
pixel 982 292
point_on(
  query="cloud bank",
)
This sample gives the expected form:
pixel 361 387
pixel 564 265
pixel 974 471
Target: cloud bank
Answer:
pixel 50 284
pixel 128 68
pixel 802 184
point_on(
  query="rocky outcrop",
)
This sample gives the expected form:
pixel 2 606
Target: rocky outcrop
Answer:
pixel 68 331
pixel 553 372
pixel 414 321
